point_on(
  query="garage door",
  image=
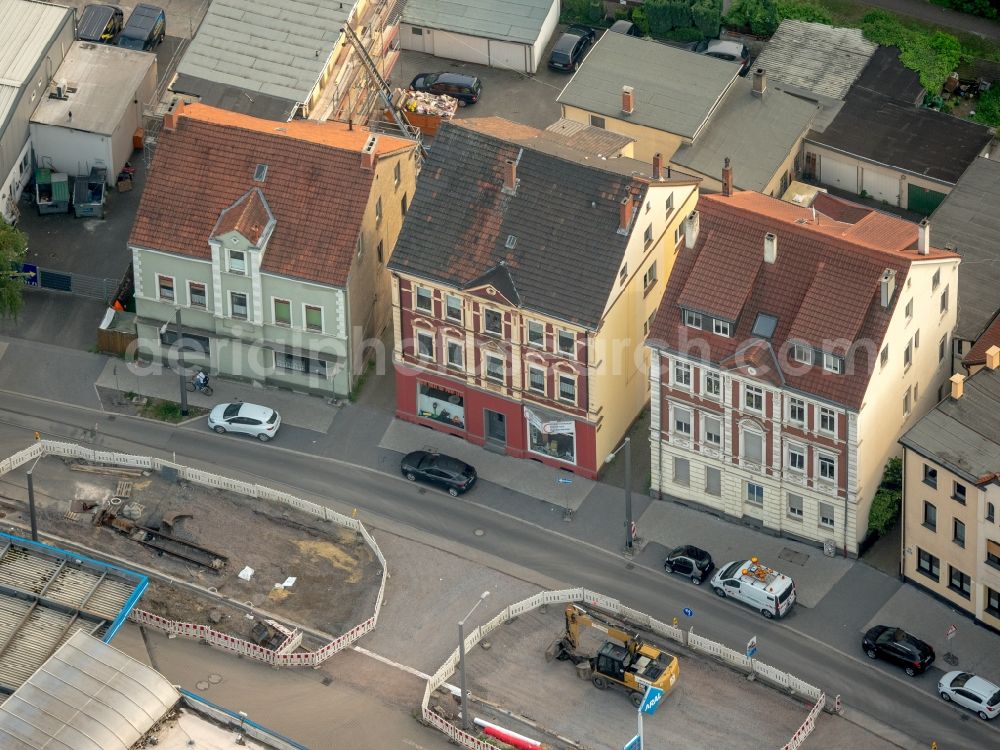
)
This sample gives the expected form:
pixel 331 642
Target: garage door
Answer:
pixel 510 56
pixel 881 186
pixel 837 174
pixel 921 200
pixel 450 45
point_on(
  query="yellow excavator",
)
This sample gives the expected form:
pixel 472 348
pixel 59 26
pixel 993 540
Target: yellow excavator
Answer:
pixel 625 660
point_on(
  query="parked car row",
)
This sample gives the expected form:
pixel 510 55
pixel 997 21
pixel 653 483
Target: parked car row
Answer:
pixel 105 24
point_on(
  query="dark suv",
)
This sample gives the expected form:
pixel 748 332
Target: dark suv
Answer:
pixel 467 89
pixel 899 647
pixel 571 48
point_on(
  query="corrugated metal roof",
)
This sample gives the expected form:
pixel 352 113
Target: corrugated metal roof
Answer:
pixel 969 221
pixel 88 696
pixel 27 29
pixel 511 20
pixel 105 80
pixel 278 48
pixel 815 58
pixel 675 90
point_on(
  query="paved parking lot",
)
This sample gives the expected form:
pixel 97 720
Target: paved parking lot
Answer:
pixel 183 16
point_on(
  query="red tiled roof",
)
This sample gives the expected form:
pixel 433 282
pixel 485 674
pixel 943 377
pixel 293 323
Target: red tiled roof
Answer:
pixel 990 337
pixel 248 216
pixel 823 286
pixel 315 186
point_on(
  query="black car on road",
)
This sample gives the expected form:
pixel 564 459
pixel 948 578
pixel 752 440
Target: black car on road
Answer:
pixel 467 89
pixel 690 561
pixel 571 48
pixel 453 475
pixel 899 647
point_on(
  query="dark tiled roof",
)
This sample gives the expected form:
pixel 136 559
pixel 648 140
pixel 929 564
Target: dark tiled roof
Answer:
pixel 249 216
pixel 564 217
pixel 885 74
pixel 963 434
pixel 317 192
pixel 990 337
pixel 968 221
pixel 921 141
pixel 823 285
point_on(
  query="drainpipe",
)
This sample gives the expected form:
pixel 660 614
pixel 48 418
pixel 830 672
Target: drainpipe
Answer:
pixel 902 520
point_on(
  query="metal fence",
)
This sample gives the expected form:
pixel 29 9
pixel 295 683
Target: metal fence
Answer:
pixel 73 283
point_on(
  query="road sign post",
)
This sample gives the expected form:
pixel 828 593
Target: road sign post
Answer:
pixel 634 744
pixel 650 702
pixel 949 657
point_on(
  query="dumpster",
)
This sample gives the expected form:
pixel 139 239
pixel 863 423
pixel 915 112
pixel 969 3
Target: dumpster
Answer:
pixel 88 193
pixel 51 191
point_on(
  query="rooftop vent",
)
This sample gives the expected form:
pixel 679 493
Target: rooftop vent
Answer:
pixel 887 287
pixel 511 241
pixel 259 173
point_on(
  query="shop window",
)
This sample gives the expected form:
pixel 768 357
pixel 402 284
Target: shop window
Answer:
pixel 440 404
pixel 551 434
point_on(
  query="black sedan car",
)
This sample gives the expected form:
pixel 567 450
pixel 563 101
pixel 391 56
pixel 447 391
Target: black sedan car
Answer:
pixel 453 475
pixel 899 647
pixel 570 48
pixel 689 561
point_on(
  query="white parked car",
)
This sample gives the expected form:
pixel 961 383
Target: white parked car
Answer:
pixel 261 422
pixel 969 691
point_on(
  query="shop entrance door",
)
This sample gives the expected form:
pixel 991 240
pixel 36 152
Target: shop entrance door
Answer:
pixel 496 428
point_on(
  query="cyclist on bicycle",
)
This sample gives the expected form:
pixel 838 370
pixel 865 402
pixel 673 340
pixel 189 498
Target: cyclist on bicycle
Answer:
pixel 200 380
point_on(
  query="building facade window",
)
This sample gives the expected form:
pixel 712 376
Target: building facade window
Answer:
pixel 237 262
pixel 682 421
pixel 692 319
pixel 567 343
pixel 795 509
pixel 300 365
pixel 425 345
pixel 682 375
pixel 567 388
pixel 647 236
pixel 958 532
pixel 536 334
pixel 942 347
pixel 754 493
pixel 494 368
pixel 314 318
pixel 827 421
pixel 456 354
pixel 447 406
pixel 197 295
pixel 453 308
pixel 649 278
pixel 826 517
pixel 990 512
pixel 493 322
pixel 753 447
pixel 959 582
pixel 238 305
pixel 165 287
pixel 282 312
pixel 827 468
pixel 712 430
pixel 928 564
pixel 803 354
pixel 930 476
pixel 378 211
pixel 713 481
pixel 597 122
pixel 936 280
pixel 550 434
pixel 753 398
pixel 796 458
pixel 958 492
pixel 908 355
pixel 909 309
pixel 396 175
pixel 907 402
pixel 425 299
pixel 993 602
pixel 833 363
pixel 721 327
pixel 930 516
pixel 993 554
pixel 883 358
pixel 944 301
pixel 713 385
pixel 682 471
pixel 797 411
pixel 536 379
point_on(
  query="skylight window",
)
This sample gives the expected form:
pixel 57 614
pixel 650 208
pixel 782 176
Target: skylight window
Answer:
pixel 511 241
pixel 764 325
pixel 260 172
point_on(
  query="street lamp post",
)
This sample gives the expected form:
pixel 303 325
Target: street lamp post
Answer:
pixel 627 447
pixel 180 365
pixel 466 724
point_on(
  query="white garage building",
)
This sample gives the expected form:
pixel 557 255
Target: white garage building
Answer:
pixel 511 34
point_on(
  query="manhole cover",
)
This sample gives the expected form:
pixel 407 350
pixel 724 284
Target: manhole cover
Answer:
pixel 201 685
pixel 479 532
pixel 793 556
pixel 215 679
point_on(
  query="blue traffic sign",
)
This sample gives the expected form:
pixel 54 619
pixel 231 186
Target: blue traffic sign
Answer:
pixel 688 612
pixel 31 274
pixel 634 744
pixel 564 480
pixel 652 700
pixel 751 647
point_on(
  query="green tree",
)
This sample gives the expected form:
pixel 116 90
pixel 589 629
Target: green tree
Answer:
pixel 803 11
pixel 760 16
pixel 582 11
pixel 707 17
pixel 932 56
pixel 640 20
pixel 13 248
pixel 658 16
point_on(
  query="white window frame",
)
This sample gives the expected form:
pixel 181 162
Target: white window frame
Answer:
pixel 680 375
pixel 945 304
pixel 795 449
pixel 450 342
pixel 649 277
pixel 746 494
pixel 827 522
pixel 753 390
pixel 827 411
pixel 802 354
pixel 430 335
pixel 792 402
pixel 722 328
pixel 907 402
pixel 833 363
pixel 675 422
pixel 204 288
pixel 541 330
pixel 486 328
pixel 447 307
pixel 743 447
pixel 908 355
pixel 274 313
pixel 486 367
pixel 883 357
pixel 172 299
pixel 234 267
pixel 647 236
pixel 791 510
pixel 708 375
pixel 378 210
pixel 692 319
pixel 571 352
pixel 825 459
pixel 531 387
pixel 417 298
pixel 305 318
pixel 246 304
pixel 559 384
pixel 705 432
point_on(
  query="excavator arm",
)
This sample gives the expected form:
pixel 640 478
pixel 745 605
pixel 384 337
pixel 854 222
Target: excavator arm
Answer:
pixel 577 617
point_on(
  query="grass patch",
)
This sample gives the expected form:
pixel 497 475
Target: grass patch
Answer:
pixel 168 411
pixel 360 382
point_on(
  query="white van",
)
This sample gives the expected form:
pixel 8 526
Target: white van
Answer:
pixel 769 592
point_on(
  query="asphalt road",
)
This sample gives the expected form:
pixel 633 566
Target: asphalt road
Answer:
pixel 874 689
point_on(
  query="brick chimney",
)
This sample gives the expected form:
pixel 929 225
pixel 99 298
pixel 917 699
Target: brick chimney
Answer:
pixel 628 99
pixel 993 357
pixel 173 114
pixel 727 178
pixel 368 153
pixel 924 237
pixel 770 248
pixel 625 214
pixel 509 176
pixel 657 166
pixel 957 386
pixel 759 82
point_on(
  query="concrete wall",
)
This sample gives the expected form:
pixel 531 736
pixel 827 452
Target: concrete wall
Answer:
pixel 71 151
pixel 544 37
pixel 647 140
